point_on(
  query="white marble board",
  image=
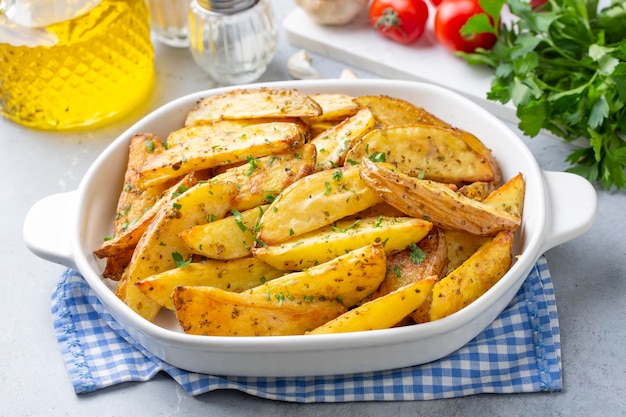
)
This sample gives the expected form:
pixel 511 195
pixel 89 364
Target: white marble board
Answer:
pixel 359 46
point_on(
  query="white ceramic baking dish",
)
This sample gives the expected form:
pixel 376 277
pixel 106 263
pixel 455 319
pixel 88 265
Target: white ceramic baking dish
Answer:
pixel 559 207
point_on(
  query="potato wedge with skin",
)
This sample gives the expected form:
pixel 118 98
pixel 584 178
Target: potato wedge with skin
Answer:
pixel 333 144
pixel 478 190
pixel 426 258
pixel 429 152
pixel 208 147
pixel 471 279
pixel 211 311
pixel 509 197
pixel 253 103
pixel 382 313
pixel 261 180
pixel 315 201
pixel 393 111
pixel 229 238
pixel 324 244
pixel 335 107
pixel 461 245
pixel 117 264
pixel 349 278
pixel 156 250
pixel 225 128
pixel 435 202
pixel 235 275
pixel 128 237
pixel 133 201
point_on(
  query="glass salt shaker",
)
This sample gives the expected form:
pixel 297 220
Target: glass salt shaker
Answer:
pixel 233 40
pixel 168 21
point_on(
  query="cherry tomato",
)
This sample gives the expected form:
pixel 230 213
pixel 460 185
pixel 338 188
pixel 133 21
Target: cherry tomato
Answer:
pixel 437 2
pixel 450 17
pixel 537 3
pixel 403 21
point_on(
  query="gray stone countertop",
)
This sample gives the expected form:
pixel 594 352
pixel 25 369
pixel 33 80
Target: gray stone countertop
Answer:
pixel 589 275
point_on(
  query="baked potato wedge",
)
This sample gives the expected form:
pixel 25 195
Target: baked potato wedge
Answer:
pixel 229 238
pixel 260 180
pixel 161 248
pixel 211 311
pixel 470 280
pixel 429 152
pixel 461 245
pixel 315 201
pixel 322 245
pixel 335 107
pixel 393 111
pixel 381 313
pixel 509 197
pixel 117 264
pixel 134 201
pixel 127 237
pixel 234 275
pixel 427 257
pixel 253 103
pixel 435 202
pixel 211 145
pixel 333 144
pixel 347 278
pixel 478 190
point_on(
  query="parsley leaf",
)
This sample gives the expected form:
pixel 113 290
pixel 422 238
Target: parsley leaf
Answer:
pixel 179 260
pixel 564 68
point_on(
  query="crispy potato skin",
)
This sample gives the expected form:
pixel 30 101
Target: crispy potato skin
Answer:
pixel 435 202
pixel 431 152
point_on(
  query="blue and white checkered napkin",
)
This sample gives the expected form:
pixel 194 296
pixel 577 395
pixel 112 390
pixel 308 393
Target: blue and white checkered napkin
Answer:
pixel 518 352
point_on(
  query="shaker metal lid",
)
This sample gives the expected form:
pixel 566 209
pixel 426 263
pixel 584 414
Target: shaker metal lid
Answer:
pixel 226 6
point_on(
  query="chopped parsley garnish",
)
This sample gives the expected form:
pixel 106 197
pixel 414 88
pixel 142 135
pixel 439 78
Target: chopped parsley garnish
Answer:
pixel 378 157
pixel 238 220
pixel 179 260
pixel 417 255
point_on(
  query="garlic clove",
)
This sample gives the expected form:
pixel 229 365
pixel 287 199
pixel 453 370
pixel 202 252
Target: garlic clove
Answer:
pixel 332 12
pixel 300 68
pixel 348 74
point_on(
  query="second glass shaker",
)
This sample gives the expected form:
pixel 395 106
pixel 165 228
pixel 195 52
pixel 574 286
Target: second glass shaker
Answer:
pixel 233 40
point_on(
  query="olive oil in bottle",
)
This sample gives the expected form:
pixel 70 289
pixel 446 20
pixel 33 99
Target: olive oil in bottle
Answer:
pixel 80 72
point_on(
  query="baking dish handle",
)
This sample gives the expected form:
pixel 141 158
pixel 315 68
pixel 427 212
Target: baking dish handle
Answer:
pixel 572 207
pixel 47 227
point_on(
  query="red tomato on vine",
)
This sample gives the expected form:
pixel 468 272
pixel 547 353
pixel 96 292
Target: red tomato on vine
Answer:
pixel 450 17
pixel 403 21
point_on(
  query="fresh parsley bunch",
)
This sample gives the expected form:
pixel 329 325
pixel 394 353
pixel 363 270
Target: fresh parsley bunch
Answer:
pixel 563 66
